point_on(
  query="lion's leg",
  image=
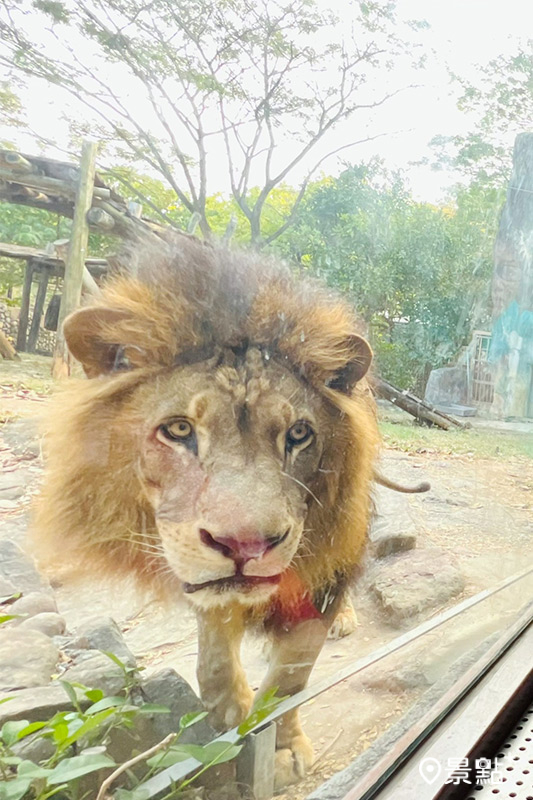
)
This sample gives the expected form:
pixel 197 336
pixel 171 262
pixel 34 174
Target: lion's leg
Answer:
pixel 345 622
pixel 294 652
pixel 223 686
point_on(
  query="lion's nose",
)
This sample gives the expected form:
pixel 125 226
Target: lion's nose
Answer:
pixel 241 550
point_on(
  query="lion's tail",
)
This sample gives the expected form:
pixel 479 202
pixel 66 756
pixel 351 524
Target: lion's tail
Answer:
pixel 397 487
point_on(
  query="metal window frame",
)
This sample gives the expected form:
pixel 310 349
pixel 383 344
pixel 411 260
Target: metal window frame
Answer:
pixel 159 785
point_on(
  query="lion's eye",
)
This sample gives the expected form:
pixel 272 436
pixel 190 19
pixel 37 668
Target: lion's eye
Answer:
pixel 298 434
pixel 178 430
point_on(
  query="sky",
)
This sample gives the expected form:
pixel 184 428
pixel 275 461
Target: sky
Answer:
pixel 462 35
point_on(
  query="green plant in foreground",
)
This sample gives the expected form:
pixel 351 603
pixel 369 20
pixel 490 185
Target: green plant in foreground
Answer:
pixel 80 739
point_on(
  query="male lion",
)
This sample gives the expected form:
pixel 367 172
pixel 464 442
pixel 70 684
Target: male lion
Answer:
pixel 223 444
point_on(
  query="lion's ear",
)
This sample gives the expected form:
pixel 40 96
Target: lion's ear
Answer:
pixel 358 360
pixel 84 332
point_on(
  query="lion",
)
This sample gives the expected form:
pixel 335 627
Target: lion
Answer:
pixel 222 446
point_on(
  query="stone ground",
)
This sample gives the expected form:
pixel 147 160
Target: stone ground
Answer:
pixel 469 532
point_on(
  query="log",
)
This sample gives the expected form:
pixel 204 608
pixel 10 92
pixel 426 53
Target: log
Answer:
pixel 38 311
pixel 415 406
pixel 24 307
pixel 7 350
pixel 15 161
pixel 100 219
pixel 50 185
pixel 77 251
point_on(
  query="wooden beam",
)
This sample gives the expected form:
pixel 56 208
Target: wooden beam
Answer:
pixel 24 307
pixel 50 185
pixel 77 253
pixel 38 311
pixel 89 284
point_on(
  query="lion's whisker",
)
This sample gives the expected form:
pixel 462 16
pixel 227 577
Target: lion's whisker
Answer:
pixel 307 489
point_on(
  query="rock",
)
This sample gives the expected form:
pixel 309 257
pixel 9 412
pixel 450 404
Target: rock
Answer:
pixel 7 505
pixel 7 589
pixel 37 704
pixel 97 671
pixel 18 568
pixel 392 530
pixel 48 622
pixel 167 688
pixel 11 493
pixel 410 674
pixel 27 658
pixel 410 583
pixel 35 748
pixel 34 603
pixel 23 437
pixel 103 633
pixel 386 539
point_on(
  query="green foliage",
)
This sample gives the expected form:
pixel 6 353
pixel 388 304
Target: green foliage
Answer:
pixel 500 106
pixel 81 737
pixel 418 274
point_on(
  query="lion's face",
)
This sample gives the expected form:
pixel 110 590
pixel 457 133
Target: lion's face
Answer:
pixel 228 454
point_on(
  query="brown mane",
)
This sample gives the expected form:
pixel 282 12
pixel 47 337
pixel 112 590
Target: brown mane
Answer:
pixel 184 302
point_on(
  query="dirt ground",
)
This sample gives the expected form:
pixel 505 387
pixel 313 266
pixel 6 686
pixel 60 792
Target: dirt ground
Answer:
pixel 479 509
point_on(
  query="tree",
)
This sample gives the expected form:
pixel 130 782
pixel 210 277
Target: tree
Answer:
pixel 258 83
pixel 418 274
pixel 500 105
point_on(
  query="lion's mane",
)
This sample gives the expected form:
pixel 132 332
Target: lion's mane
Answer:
pixel 173 305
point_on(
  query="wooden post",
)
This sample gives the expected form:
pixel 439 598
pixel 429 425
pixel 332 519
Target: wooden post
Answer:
pixel 24 308
pixel 38 310
pixel 77 253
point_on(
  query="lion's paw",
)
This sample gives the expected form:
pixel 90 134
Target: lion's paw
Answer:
pixel 231 711
pixel 293 763
pixel 344 623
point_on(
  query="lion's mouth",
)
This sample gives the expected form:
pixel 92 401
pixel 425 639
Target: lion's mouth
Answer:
pixel 243 583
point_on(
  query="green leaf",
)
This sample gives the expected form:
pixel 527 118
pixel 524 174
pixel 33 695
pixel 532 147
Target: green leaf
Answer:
pixel 71 768
pixel 116 660
pixel 60 732
pixel 71 691
pixel 94 695
pixel 264 706
pixel 188 720
pixel 31 728
pixel 14 790
pixel 7 617
pixel 89 725
pixel 132 794
pixel 6 699
pixel 10 761
pixel 10 730
pixel 106 702
pixel 27 769
pixel 10 598
pixel 213 753
pixel 153 708
pixel 172 756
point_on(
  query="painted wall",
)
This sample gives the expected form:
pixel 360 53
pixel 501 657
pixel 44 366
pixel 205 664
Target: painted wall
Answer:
pixel 511 352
